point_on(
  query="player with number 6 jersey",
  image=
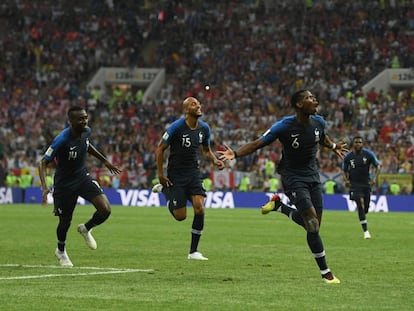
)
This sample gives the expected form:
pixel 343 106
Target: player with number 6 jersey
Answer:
pixel 300 135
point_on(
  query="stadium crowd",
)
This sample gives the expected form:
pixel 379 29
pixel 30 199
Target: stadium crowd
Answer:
pixel 251 54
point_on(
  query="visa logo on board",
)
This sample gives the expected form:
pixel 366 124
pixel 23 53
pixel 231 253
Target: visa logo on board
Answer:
pixel 378 203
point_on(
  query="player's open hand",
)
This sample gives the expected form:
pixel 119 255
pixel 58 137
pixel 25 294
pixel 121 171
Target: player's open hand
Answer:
pixel 45 192
pixel 227 154
pixel 341 149
pixel 220 164
pixel 112 168
pixel 165 181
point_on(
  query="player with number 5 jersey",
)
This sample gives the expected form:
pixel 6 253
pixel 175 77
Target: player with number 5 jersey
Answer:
pixel 361 169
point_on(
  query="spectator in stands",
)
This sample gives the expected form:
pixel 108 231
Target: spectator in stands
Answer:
pixel 329 186
pixel 208 184
pixel 12 180
pixel 26 179
pixel 405 189
pixel 245 183
pixel 270 168
pixel 49 181
pixel 395 188
pixel 271 184
pixel 105 181
pixel 384 188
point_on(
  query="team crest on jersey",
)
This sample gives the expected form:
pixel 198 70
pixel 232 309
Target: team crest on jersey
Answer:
pixel 200 137
pixel 317 138
pixel 364 159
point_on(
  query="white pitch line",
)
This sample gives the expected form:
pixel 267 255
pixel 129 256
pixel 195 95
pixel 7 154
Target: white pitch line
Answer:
pixel 60 267
pixel 111 271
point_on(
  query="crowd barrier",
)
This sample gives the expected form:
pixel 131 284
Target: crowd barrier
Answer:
pixel 215 199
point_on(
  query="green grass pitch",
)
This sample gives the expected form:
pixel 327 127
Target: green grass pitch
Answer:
pixel 256 262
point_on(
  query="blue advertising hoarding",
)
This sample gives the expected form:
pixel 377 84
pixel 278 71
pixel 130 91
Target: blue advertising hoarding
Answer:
pixel 11 195
pixel 218 199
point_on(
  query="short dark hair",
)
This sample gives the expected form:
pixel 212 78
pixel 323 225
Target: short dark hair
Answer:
pixel 74 109
pixel 357 137
pixel 297 97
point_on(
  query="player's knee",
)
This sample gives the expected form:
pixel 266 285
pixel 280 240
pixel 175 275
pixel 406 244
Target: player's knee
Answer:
pixel 101 203
pixel 179 217
pixel 199 210
pixel 313 225
pixel 105 214
pixel 180 214
pixel 105 206
pixel 103 211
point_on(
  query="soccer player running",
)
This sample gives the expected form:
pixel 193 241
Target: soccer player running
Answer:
pixel 357 166
pixel 69 149
pixel 300 135
pixel 183 181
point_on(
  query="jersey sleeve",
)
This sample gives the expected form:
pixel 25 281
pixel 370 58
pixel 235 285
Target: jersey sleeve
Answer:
pixel 345 163
pixel 322 123
pixel 207 134
pixel 166 137
pixel 53 148
pixel 374 158
pixel 273 132
pixel 87 136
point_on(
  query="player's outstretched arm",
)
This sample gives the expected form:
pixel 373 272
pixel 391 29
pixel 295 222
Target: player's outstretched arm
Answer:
pixel 95 152
pixel 250 147
pixel 210 155
pixel 340 148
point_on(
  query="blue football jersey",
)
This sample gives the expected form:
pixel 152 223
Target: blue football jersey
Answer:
pixel 358 167
pixel 185 143
pixel 300 144
pixel 70 155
